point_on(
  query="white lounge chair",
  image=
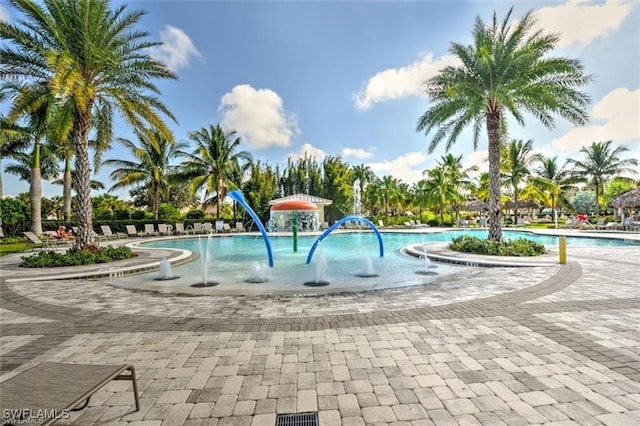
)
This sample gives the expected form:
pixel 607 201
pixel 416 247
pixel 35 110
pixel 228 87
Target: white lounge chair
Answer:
pixel 150 229
pixel 240 227
pixel 207 227
pixel 46 244
pixel 180 229
pixel 163 229
pixel 133 232
pixel 107 234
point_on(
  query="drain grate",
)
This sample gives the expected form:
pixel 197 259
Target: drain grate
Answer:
pixel 297 419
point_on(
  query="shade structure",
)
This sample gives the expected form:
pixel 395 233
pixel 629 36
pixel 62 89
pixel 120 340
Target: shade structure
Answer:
pixel 629 199
pixel 476 206
pixel 294 205
pixel 522 204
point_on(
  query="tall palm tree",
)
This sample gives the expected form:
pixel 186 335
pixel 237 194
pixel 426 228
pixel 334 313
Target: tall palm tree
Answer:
pixel 150 167
pixel 95 63
pixel 33 135
pixel 210 166
pixel 363 175
pixel 507 70
pixel 516 164
pixel 600 164
pixel 552 181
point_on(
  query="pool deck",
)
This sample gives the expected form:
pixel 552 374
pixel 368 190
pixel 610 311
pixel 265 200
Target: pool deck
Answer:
pixel 542 344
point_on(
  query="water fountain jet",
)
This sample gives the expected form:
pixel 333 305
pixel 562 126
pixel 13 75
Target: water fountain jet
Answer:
pixel 259 273
pixel 367 269
pixel 205 261
pixel 427 264
pixel 165 272
pixel 321 271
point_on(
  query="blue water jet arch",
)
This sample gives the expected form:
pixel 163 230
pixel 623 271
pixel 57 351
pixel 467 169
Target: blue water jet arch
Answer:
pixel 239 197
pixel 340 222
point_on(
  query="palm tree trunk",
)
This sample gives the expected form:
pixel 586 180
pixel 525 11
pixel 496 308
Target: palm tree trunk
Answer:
pixel 597 197
pixel 493 131
pixel 86 236
pixel 35 191
pixel 66 190
pixel 515 200
pixel 156 202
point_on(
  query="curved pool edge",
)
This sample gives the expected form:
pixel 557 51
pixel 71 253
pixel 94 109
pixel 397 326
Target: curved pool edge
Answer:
pixel 440 252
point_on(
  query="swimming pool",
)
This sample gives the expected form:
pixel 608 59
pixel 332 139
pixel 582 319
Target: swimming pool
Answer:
pixel 232 258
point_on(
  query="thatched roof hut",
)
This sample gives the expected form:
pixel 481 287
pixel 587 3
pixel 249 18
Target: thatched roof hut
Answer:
pixel 476 206
pixel 629 199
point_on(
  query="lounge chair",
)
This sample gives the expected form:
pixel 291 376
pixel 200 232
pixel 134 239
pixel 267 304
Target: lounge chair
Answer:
pixel 133 232
pixel 48 244
pixel 219 225
pixel 180 229
pixel 611 225
pixel 163 229
pixel 106 233
pixel 463 223
pixel 226 227
pixel 53 387
pixel 240 227
pixel 150 229
pixel 600 224
pixel 197 227
pixel 380 224
pixel 325 225
pixel 207 227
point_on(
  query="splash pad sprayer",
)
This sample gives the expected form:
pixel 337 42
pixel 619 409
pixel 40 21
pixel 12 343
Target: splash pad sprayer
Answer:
pixel 239 198
pixel 340 222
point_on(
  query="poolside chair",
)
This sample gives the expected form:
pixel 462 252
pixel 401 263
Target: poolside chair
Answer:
pixel 207 227
pixel 219 225
pixel 163 229
pixel 611 225
pixel 197 227
pixel 106 233
pixel 133 232
pixel 483 222
pixel 600 224
pixel 53 387
pixel 150 229
pixel 226 227
pixel 180 229
pixel 48 244
pixel 240 227
pixel 325 225
pixel 463 223
pixel 380 224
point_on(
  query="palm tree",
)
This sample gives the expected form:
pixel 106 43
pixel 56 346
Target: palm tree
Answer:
pixel 600 164
pixel 457 177
pixel 33 134
pixel 552 181
pixel 151 166
pixel 439 190
pixel 95 63
pixel 506 70
pixel 209 167
pixel 516 164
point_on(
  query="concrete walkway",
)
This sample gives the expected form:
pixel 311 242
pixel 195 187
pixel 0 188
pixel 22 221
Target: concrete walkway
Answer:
pixel 538 345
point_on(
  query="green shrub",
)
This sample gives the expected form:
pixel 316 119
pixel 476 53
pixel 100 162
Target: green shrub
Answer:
pixel 475 245
pixel 77 257
pixel 138 215
pixel 15 216
pixel 195 214
pixel 168 211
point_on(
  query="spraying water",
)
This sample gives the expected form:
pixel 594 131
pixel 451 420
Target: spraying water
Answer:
pixel 205 261
pixel 259 273
pixel 321 271
pixel 367 269
pixel 165 272
pixel 427 263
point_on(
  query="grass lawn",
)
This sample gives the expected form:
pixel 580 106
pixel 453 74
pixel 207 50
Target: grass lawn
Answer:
pixel 6 249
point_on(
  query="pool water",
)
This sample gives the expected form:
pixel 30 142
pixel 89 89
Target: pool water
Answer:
pixel 231 259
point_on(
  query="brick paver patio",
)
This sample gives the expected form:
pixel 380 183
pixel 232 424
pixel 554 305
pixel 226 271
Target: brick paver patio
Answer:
pixel 515 346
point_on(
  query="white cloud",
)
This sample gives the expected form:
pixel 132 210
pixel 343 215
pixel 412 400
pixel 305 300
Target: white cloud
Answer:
pixel 176 49
pixel 308 150
pixel 615 117
pixel 4 14
pixel 356 153
pixel 581 22
pixel 407 167
pixel 258 116
pixel 476 158
pixel 394 83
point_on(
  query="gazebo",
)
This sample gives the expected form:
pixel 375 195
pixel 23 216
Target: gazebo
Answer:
pixel 628 200
pixel 320 202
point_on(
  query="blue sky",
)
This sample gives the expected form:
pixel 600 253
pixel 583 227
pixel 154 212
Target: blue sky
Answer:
pixel 346 78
